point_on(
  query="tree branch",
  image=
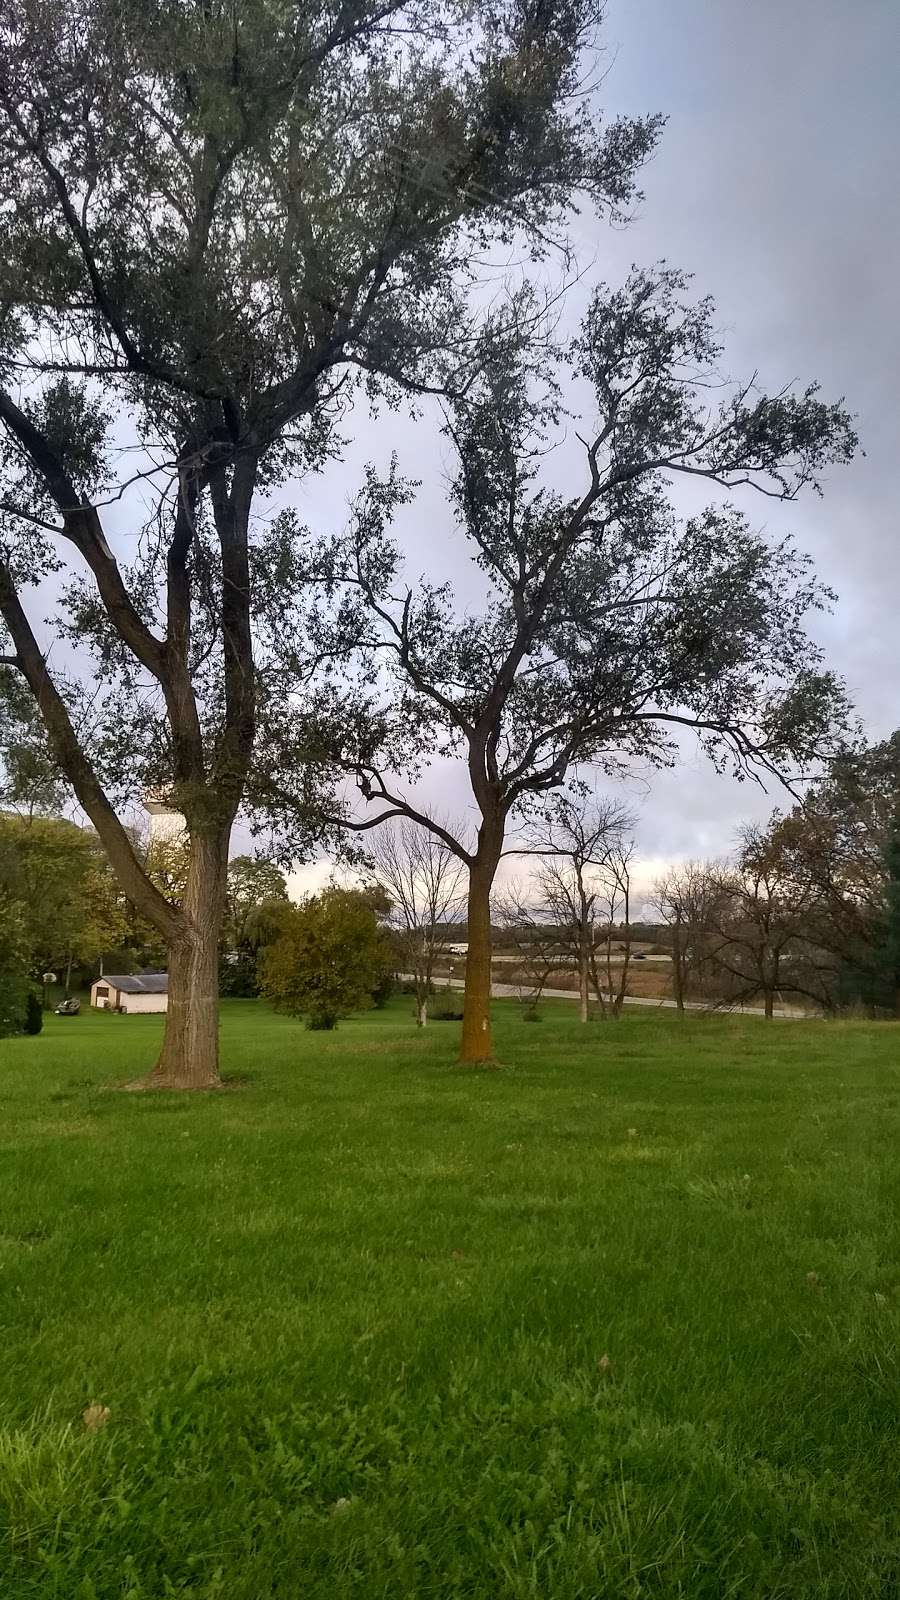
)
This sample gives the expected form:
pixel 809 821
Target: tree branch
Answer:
pixel 77 767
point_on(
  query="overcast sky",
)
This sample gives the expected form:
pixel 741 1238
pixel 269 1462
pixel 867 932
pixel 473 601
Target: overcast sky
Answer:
pixel 776 185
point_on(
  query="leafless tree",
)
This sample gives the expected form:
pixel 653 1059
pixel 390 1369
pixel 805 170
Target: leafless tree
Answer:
pixel 425 882
pixel 688 901
pixel 614 921
pixel 530 926
pixel 766 920
pixel 582 889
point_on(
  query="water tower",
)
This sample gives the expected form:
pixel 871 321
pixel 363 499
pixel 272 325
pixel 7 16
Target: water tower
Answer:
pixel 166 824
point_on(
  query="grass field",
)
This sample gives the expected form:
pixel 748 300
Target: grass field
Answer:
pixel 619 1321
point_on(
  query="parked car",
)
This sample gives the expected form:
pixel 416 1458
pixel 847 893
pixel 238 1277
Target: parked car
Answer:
pixel 68 1008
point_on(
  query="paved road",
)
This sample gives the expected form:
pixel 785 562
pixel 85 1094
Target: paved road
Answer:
pixel 502 990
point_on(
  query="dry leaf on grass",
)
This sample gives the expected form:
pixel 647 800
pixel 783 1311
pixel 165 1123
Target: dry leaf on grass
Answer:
pixel 95 1417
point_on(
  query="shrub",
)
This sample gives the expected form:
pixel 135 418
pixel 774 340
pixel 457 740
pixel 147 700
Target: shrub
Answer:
pixel 445 1011
pixel 383 990
pixel 34 1013
pixel 322 1021
pixel 330 957
pixel 238 978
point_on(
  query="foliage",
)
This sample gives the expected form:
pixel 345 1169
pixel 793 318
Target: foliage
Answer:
pixel 30 780
pixel 72 908
pixel 252 882
pixel 34 1013
pixel 255 898
pixel 329 958
pixel 232 223
pixel 607 625
pixel 357 1211
pixel 837 858
pixel 15 978
pixel 238 976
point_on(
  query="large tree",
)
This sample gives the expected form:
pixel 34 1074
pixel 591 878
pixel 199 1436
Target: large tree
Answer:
pixel 608 623
pixel 224 218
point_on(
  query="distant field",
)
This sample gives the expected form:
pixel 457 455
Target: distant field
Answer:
pixel 648 978
pixel 619 1321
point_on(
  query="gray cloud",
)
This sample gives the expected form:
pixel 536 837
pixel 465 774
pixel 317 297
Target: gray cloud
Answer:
pixel 776 185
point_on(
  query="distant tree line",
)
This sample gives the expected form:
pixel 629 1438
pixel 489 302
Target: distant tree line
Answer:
pixel 62 911
pixel 808 910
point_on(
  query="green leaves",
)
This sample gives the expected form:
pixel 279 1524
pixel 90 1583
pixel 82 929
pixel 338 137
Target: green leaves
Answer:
pixel 329 958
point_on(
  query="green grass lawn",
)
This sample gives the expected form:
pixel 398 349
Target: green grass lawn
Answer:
pixel 350 1319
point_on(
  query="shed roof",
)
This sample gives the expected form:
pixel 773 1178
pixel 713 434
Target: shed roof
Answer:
pixel 137 982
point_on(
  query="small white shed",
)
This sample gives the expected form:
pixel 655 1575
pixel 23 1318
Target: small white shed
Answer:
pixel 136 991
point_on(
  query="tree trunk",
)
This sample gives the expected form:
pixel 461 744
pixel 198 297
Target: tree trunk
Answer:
pixel 678 968
pixel 583 981
pixel 477 1045
pixel 189 1058
pixel 422 965
pixel 68 976
pixel 769 1003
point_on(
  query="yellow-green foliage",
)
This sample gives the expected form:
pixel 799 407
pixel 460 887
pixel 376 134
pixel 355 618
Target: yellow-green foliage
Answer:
pixel 13 965
pixel 329 958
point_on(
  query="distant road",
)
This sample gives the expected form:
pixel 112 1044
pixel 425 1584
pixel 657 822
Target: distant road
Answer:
pixel 617 960
pixel 512 991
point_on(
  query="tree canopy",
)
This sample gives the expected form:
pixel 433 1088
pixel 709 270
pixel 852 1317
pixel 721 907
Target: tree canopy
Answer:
pixel 609 622
pixel 330 957
pixel 231 220
pixel 71 909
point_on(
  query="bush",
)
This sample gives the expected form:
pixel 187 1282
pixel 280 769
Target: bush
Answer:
pixel 383 990
pixel 445 1011
pixel 34 1013
pixel 238 979
pixel 330 958
pixel 322 1021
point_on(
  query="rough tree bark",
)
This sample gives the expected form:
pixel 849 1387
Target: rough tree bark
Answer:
pixel 477 1046
pixel 583 980
pixel 189 1058
pixel 678 956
